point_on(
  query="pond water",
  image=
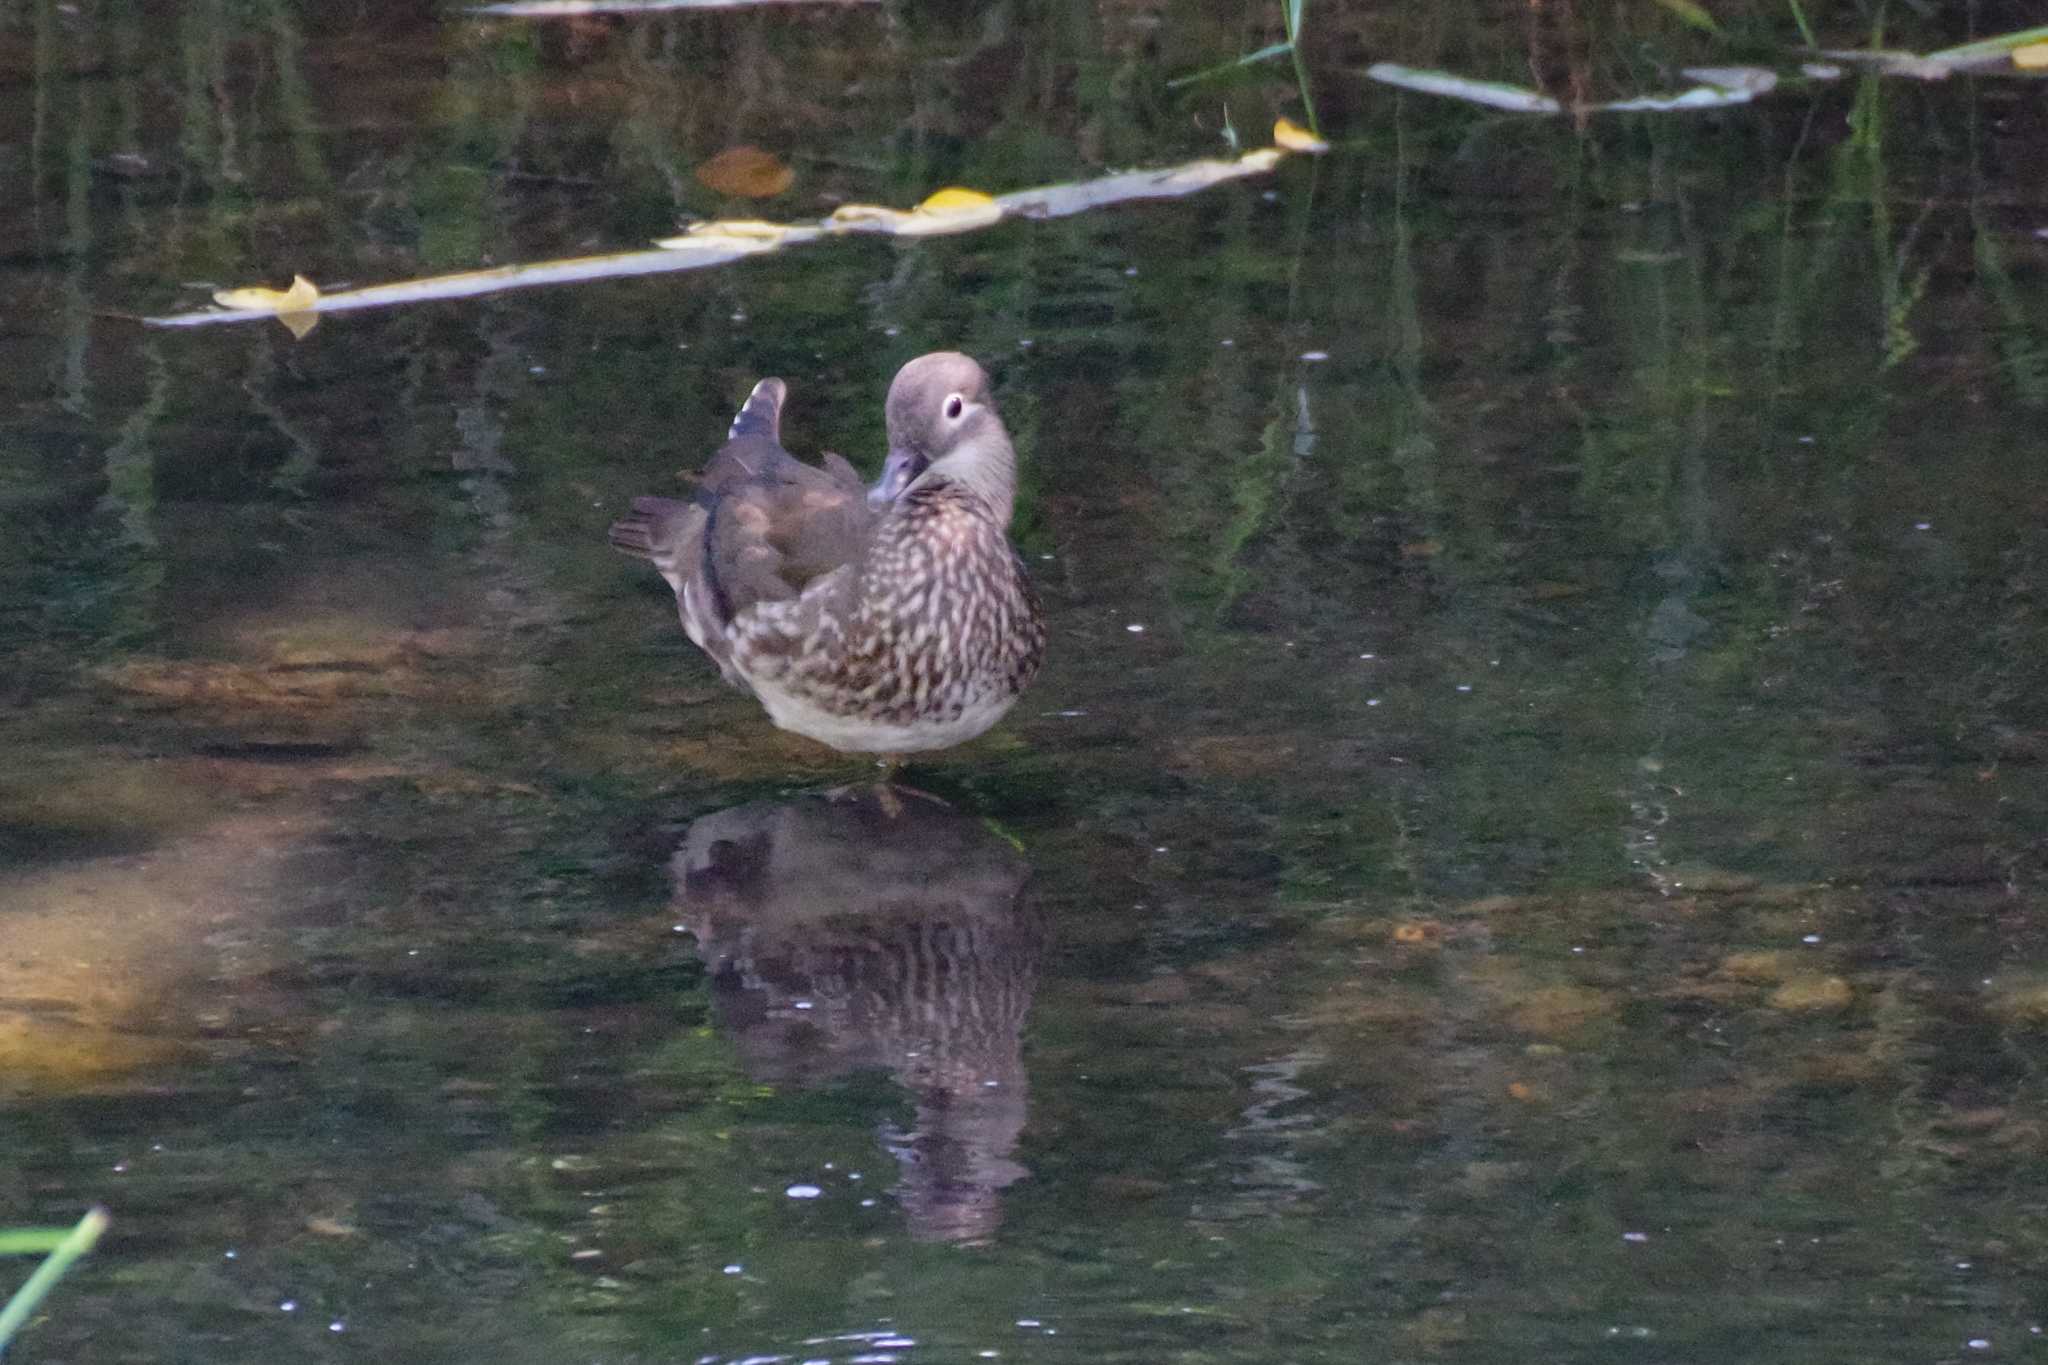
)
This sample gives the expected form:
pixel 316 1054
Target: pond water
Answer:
pixel 1529 843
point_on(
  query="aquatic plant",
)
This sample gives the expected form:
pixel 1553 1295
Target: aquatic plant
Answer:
pixel 64 1245
pixel 1291 14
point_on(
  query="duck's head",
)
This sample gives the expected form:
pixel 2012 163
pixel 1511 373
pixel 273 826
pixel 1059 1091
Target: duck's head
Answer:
pixel 942 417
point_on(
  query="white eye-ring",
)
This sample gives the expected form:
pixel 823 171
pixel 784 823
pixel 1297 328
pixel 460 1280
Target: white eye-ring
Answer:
pixel 955 405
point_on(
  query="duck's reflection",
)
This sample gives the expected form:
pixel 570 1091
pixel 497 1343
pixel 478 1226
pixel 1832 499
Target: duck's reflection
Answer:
pixel 878 929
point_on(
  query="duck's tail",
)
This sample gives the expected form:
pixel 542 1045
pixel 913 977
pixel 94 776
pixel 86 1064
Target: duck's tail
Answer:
pixel 665 531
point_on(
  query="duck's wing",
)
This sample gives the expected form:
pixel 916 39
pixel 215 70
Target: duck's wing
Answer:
pixel 775 524
pixel 762 528
pixel 669 532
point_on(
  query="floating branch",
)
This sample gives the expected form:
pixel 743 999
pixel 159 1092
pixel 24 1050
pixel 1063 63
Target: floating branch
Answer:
pixel 2022 53
pixel 1724 85
pixel 2005 54
pixel 1518 99
pixel 716 243
pixel 569 9
pixel 470 283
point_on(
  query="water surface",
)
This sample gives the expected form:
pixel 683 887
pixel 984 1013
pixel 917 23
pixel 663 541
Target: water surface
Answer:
pixel 1528 845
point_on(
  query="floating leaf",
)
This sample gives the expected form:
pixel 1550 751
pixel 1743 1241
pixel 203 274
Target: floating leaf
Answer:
pixel 302 295
pixel 948 210
pixel 746 172
pixel 730 234
pixel 951 210
pixel 1295 138
pixel 2032 57
pixel 1494 94
pixel 953 199
pixel 866 218
pixel 293 306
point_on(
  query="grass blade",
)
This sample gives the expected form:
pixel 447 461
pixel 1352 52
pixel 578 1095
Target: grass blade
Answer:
pixel 75 1244
pixel 1805 29
pixel 1263 54
pixel 1990 47
pixel 31 1241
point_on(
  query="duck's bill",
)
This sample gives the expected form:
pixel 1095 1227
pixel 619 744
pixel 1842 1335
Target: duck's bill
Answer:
pixel 899 473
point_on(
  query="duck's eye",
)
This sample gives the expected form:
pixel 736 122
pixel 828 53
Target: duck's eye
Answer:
pixel 955 405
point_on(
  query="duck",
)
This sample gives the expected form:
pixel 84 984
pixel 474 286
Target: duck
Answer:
pixel 890 620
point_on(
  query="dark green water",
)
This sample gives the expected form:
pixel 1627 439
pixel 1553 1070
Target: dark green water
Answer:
pixel 1557 875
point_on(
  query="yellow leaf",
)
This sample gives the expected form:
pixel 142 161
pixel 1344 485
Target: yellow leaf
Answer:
pixel 301 296
pixel 728 234
pixel 953 199
pixel 2032 57
pixel 950 210
pixel 868 217
pixel 746 172
pixel 293 306
pixel 1295 138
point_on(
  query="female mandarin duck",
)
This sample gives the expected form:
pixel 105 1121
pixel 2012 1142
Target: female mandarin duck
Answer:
pixel 885 622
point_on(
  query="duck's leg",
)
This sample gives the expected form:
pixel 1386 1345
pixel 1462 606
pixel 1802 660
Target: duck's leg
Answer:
pixel 885 790
pixel 889 793
pixel 884 786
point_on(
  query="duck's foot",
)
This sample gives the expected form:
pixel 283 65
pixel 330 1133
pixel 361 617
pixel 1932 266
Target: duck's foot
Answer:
pixel 887 792
pixel 889 796
pixel 892 767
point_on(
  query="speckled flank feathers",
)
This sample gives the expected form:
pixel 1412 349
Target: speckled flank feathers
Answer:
pixel 895 628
